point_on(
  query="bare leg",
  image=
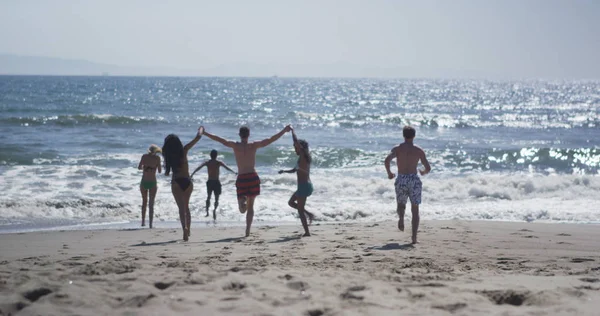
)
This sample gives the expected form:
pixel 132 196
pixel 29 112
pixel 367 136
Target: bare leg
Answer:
pixel 182 198
pixel 178 196
pixel 301 212
pixel 188 215
pixel 208 194
pixel 415 221
pixel 250 214
pixel 400 210
pixel 151 205
pixel 216 205
pixel 293 204
pixel 144 203
pixel 242 203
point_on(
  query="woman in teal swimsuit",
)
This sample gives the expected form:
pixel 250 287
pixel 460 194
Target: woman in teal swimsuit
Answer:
pixel 175 155
pixel 305 187
pixel 149 163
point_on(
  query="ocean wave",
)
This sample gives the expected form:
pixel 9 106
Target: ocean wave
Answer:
pixel 359 194
pixel 81 119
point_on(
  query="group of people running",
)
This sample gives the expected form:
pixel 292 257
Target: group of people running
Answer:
pixel 247 182
pixel 407 185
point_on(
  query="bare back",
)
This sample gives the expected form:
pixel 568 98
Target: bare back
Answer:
pixel 408 157
pixel 149 164
pixel 245 156
pixel 213 167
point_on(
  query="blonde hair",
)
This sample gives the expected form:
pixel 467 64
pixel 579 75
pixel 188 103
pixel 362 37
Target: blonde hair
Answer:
pixel 153 149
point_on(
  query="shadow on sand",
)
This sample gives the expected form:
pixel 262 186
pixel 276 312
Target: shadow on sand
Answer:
pixel 394 246
pixel 231 239
pixel 286 239
pixel 161 243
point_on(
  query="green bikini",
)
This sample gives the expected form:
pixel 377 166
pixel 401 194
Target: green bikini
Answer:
pixel 147 185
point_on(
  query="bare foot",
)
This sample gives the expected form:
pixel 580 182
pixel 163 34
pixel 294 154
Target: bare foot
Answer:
pixel 401 224
pixel 185 235
pixel 414 240
pixel 207 215
pixel 143 224
pixel 306 235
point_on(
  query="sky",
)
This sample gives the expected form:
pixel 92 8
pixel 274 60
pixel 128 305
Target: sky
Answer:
pixel 380 38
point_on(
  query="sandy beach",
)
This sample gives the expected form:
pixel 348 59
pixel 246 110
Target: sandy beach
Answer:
pixel 459 267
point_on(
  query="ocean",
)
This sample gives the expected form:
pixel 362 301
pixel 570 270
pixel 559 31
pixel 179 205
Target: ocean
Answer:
pixel 500 150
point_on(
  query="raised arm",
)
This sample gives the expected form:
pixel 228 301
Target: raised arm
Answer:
pixel 294 138
pixel 270 140
pixel 425 164
pixel 191 144
pixel 226 167
pixel 387 162
pixel 199 167
pixel 226 143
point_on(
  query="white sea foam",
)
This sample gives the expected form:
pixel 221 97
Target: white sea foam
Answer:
pixel 88 194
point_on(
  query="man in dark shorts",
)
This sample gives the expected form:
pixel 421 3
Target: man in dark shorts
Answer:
pixel 248 182
pixel 407 184
pixel 213 184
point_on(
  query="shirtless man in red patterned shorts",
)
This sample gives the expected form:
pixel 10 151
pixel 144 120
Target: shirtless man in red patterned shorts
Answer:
pixel 248 182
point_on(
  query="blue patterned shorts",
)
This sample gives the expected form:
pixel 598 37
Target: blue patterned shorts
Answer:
pixel 408 186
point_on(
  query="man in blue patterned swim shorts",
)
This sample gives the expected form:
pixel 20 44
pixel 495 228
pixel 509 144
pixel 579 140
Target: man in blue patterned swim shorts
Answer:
pixel 408 184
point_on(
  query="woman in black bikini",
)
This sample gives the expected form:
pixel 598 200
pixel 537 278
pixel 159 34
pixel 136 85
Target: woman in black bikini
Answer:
pixel 150 163
pixel 175 155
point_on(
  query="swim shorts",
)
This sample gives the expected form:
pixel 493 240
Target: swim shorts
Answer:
pixel 213 186
pixel 408 186
pixel 304 189
pixel 248 184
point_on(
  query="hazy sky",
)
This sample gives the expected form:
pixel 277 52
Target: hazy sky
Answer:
pixel 521 38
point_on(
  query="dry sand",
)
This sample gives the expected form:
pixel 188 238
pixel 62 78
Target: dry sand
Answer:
pixel 460 268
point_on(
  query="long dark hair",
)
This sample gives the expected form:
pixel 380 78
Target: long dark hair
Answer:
pixel 172 151
pixel 305 150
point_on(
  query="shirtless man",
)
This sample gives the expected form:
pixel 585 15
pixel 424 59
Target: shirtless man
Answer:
pixel 248 182
pixel 408 185
pixel 213 184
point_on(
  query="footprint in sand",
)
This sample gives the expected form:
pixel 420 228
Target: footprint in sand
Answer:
pixel 234 286
pixel 590 280
pixel 351 294
pixel 163 285
pixel 298 285
pixel 509 297
pixel 451 307
pixel 563 234
pixel 34 295
pixel 580 260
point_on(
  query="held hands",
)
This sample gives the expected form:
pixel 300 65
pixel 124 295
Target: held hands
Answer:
pixel 200 131
pixel 280 171
pixel 288 128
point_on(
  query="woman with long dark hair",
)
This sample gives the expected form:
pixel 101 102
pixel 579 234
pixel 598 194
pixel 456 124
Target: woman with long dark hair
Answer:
pixel 175 155
pixel 305 187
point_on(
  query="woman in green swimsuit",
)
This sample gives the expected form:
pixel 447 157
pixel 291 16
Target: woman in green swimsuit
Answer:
pixel 305 187
pixel 149 163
